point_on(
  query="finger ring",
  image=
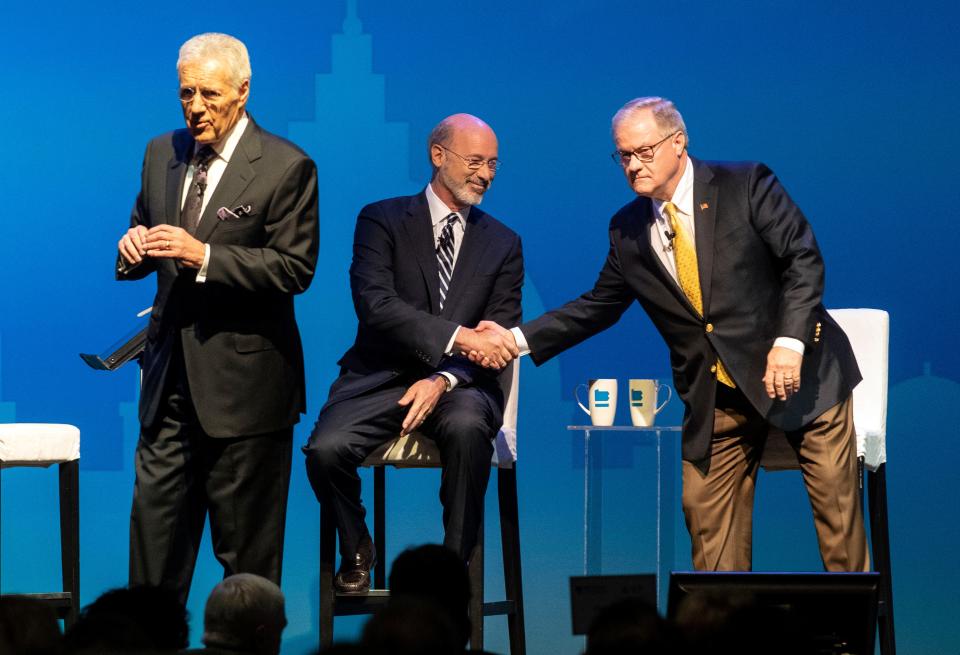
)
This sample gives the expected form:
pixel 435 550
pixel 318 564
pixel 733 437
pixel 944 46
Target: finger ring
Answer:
pixel 166 245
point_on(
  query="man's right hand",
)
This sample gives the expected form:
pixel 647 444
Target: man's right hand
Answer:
pixel 132 246
pixel 488 344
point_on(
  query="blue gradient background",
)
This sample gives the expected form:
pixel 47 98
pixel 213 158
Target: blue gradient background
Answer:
pixel 853 105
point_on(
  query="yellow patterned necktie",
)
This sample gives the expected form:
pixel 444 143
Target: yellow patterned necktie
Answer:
pixel 688 274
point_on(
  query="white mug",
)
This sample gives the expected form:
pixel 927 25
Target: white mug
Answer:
pixel 643 401
pixel 602 399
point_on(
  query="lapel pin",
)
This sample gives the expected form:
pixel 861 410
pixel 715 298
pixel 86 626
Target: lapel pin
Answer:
pixel 704 205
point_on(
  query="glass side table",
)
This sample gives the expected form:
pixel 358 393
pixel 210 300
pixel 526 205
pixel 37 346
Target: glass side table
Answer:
pixel 665 441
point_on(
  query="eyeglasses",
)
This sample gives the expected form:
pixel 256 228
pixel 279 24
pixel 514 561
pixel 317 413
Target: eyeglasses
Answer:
pixel 207 96
pixel 474 163
pixel 643 153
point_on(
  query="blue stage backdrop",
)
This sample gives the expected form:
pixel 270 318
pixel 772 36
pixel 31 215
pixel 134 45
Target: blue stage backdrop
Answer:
pixel 852 104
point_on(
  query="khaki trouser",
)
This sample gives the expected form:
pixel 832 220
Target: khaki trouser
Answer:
pixel 718 498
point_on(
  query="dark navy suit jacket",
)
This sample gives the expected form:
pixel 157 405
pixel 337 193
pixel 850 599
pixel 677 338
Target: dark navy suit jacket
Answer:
pixel 761 277
pixel 402 332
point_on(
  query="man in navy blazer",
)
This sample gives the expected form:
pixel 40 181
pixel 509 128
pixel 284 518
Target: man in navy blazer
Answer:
pixel 425 268
pixel 727 268
pixel 227 220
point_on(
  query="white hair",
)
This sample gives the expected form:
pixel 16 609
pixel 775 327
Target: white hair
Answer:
pixel 238 606
pixel 224 48
pixel 665 114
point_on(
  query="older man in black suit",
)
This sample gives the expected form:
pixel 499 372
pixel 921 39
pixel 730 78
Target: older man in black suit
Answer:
pixel 424 268
pixel 727 268
pixel 227 219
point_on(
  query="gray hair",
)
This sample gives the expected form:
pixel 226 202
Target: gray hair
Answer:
pixel 224 48
pixel 664 112
pixel 440 134
pixel 238 606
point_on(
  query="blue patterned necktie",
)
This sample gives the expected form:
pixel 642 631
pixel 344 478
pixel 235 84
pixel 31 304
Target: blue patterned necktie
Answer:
pixel 445 256
pixel 190 216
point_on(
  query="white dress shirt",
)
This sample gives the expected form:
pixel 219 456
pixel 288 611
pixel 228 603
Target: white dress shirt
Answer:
pixel 660 241
pixel 224 151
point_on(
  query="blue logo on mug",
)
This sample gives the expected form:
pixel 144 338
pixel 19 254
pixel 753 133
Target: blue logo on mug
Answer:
pixel 601 398
pixel 636 398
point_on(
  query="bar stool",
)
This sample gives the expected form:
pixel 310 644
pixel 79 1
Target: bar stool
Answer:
pixel 869 334
pixel 418 451
pixel 43 444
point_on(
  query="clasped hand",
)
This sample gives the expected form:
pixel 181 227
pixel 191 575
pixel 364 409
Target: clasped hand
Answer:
pixel 161 242
pixel 488 345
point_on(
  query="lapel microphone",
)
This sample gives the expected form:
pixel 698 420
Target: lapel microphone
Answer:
pixel 670 237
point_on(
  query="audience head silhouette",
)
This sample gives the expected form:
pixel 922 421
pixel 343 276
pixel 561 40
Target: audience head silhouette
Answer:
pixel 244 613
pixel 434 574
pixel 140 619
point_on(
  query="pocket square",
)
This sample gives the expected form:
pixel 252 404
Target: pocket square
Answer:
pixel 225 214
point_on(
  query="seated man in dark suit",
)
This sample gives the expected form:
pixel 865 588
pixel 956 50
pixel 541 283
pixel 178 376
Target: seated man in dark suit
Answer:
pixel 424 267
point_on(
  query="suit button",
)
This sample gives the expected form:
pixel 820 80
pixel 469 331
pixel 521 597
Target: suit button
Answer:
pixel 709 328
pixel 713 369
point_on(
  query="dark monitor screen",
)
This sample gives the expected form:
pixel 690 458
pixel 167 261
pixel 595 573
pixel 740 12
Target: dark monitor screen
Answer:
pixel 590 594
pixel 837 611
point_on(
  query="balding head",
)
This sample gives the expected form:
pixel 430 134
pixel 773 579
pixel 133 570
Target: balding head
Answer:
pixel 443 133
pixel 245 612
pixel 463 153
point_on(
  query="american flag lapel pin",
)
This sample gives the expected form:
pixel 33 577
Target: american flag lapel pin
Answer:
pixel 704 206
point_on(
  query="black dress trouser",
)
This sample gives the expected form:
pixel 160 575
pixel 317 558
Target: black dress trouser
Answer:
pixel 463 425
pixel 182 474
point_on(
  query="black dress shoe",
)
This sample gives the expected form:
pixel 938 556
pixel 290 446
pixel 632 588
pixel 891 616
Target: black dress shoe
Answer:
pixel 354 574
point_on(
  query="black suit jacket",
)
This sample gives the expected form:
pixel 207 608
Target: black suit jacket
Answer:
pixel 761 276
pixel 241 346
pixel 401 332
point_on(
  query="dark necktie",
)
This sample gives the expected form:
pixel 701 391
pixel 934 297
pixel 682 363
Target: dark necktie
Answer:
pixel 190 215
pixel 445 256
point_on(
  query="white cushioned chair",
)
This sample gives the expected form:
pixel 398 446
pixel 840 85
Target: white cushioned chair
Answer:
pixel 42 445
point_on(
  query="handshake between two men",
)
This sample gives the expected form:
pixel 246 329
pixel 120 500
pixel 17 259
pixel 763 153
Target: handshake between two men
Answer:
pixel 488 345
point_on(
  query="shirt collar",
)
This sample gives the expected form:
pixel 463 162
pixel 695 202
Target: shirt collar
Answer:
pixel 225 147
pixel 682 195
pixel 439 210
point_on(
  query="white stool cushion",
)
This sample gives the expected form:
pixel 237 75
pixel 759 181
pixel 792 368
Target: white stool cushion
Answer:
pixel 38 444
pixel 869 334
pixel 410 451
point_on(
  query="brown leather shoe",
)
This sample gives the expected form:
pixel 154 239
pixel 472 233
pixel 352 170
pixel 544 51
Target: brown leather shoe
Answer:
pixel 353 577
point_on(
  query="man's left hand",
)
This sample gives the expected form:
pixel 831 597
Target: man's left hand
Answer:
pixel 169 242
pixel 782 378
pixel 422 397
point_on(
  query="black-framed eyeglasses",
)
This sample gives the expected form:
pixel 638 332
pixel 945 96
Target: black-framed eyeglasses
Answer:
pixel 474 163
pixel 208 96
pixel 643 153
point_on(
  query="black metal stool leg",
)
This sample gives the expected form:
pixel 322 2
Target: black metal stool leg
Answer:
pixel 380 526
pixel 475 571
pixel 328 598
pixel 512 572
pixel 70 536
pixel 880 538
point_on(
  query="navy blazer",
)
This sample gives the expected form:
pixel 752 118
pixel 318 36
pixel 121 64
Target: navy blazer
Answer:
pixel 761 277
pixel 401 331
